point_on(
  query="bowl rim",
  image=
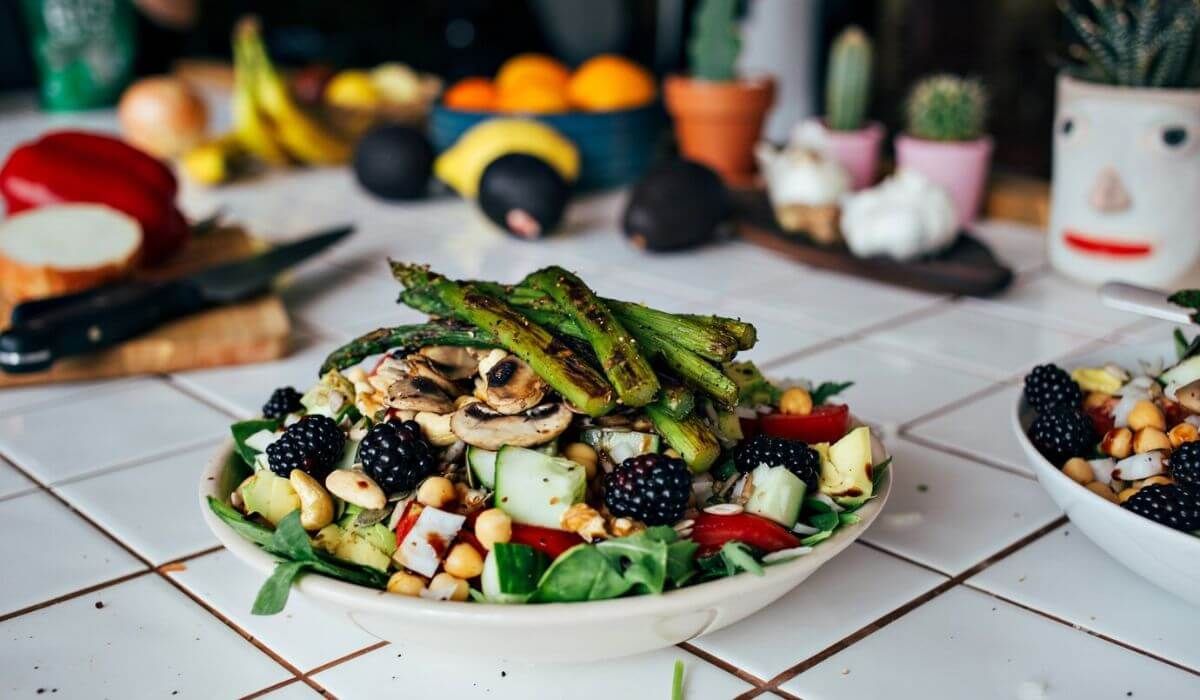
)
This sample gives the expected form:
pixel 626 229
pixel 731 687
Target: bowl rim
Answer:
pixel 1043 469
pixel 500 615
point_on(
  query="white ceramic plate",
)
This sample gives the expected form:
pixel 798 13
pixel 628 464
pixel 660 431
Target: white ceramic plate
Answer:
pixel 555 632
pixel 1165 557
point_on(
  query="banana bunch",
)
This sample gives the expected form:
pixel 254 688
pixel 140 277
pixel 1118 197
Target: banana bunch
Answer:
pixel 268 126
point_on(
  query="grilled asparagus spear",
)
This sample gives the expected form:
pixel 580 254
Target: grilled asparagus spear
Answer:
pixel 548 356
pixel 689 436
pixel 623 362
pixel 417 335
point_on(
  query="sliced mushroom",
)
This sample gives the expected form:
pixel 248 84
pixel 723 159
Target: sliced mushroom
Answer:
pixel 480 426
pixel 422 367
pixel 453 362
pixel 510 386
pixel 413 393
pixel 1188 396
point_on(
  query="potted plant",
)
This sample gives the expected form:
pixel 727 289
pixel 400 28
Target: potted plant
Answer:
pixel 718 116
pixel 945 141
pixel 1126 137
pixel 847 135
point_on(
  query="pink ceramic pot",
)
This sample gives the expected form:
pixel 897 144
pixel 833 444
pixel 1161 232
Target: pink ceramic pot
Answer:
pixel 959 166
pixel 857 151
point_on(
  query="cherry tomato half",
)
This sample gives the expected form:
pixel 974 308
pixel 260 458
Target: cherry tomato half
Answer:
pixel 711 531
pixel 827 423
pixel 552 542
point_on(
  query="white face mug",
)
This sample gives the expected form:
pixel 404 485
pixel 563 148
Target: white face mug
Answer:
pixel 1125 203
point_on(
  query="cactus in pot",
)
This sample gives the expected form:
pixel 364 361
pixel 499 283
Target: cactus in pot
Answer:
pixel 848 81
pixel 945 139
pixel 718 115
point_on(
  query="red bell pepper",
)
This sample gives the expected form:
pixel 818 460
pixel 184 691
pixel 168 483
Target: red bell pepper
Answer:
pixel 826 423
pixel 107 149
pixel 712 531
pixel 40 174
pixel 552 542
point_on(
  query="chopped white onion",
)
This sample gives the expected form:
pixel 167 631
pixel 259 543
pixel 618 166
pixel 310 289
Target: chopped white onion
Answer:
pixel 785 554
pixel 802 529
pixel 1139 466
pixel 1129 397
pixel 1102 469
pixel 824 498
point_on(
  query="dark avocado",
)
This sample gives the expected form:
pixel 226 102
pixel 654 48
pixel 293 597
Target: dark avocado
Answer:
pixel 679 204
pixel 523 195
pixel 394 162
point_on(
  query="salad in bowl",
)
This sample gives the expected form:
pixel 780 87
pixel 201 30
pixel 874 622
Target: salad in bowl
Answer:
pixel 535 444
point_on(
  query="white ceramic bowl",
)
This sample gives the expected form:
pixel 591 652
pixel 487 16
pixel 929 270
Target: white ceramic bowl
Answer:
pixel 556 632
pixel 1165 557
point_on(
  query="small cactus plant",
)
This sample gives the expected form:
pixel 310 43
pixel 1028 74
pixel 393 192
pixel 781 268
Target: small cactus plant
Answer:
pixel 848 81
pixel 715 45
pixel 1136 43
pixel 947 108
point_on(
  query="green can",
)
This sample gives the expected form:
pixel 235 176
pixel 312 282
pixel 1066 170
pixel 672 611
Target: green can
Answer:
pixel 84 50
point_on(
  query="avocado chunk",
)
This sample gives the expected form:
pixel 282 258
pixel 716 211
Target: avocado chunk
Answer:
pixel 269 495
pixel 320 399
pixel 362 551
pixel 846 469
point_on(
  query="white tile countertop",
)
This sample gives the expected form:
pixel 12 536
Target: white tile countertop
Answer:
pixel 970 585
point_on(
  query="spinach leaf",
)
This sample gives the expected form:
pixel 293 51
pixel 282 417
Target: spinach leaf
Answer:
pixel 1189 298
pixel 828 390
pixel 824 521
pixel 245 429
pixel 254 532
pixel 878 472
pixel 681 561
pixel 273 595
pixel 733 558
pixel 290 540
pixel 816 537
pixel 1185 348
pixel 816 505
pixel 849 518
pixel 641 558
pixel 579 574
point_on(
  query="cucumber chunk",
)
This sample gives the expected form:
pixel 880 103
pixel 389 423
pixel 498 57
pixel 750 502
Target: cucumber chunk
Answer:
pixel 483 466
pixel 511 572
pixel 778 495
pixel 534 488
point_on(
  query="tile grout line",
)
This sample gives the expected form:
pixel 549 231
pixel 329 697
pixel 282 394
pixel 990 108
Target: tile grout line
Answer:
pixel 961 454
pixel 722 664
pixel 134 463
pixel 890 617
pixel 1084 629
pixel 72 595
pixel 270 688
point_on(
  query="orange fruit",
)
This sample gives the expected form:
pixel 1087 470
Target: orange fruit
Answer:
pixel 527 68
pixel 609 82
pixel 471 94
pixel 532 98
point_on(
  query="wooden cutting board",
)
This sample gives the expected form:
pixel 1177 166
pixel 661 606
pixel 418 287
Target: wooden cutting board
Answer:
pixel 253 331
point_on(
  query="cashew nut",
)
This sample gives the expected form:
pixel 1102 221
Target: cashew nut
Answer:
pixel 316 507
pixel 356 487
pixel 436 428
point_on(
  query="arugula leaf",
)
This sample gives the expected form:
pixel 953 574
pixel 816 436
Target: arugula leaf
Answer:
pixel 1185 348
pixel 641 558
pixel 733 558
pixel 273 595
pixel 579 574
pixel 1189 298
pixel 244 429
pixel 681 561
pixel 254 532
pixel 828 390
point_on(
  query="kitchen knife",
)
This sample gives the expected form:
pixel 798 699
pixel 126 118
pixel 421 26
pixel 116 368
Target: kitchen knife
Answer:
pixel 49 329
pixel 1145 301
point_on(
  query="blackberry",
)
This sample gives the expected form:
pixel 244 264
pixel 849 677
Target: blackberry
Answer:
pixel 799 458
pixel 652 488
pixel 396 456
pixel 1062 432
pixel 1167 505
pixel 283 401
pixel 313 445
pixel 1185 467
pixel 1048 386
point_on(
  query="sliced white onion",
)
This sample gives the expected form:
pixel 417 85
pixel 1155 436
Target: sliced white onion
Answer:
pixel 824 498
pixel 1102 469
pixel 1129 399
pixel 1139 466
pixel 802 529
pixel 785 554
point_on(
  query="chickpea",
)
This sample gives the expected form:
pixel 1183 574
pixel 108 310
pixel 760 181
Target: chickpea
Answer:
pixel 436 491
pixel 584 455
pixel 404 583
pixel 461 590
pixel 1149 439
pixel 1095 399
pixel 1127 494
pixel 463 561
pixel 795 402
pixel 1102 490
pixel 492 526
pixel 1146 415
pixel 1079 470
pixel 1184 432
pixel 1118 443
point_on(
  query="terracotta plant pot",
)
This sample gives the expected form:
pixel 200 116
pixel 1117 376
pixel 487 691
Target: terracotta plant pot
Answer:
pixel 959 166
pixel 718 123
pixel 857 151
pixel 1126 176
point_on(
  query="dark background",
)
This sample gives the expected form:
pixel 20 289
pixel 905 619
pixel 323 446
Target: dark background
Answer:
pixel 1010 44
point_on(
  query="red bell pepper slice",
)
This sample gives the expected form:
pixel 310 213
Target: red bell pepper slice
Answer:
pixel 552 542
pixel 827 423
pixel 712 531
pixel 123 157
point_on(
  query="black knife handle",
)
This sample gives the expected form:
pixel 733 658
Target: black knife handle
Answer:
pixel 93 321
